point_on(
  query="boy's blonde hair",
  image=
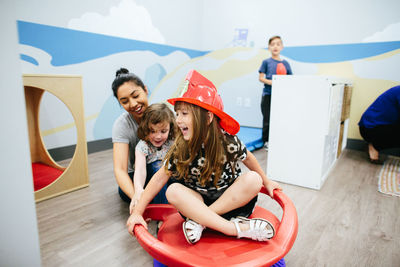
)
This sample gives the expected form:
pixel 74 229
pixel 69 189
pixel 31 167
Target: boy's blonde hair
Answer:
pixel 154 114
pixel 184 152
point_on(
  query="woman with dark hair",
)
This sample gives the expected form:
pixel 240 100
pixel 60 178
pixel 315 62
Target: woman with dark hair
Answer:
pixel 131 94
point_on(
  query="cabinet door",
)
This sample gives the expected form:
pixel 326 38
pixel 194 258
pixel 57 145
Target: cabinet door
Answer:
pixel 333 128
pixel 298 125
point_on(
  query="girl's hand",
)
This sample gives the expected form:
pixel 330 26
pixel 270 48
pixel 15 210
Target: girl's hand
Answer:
pixel 133 220
pixel 134 200
pixel 270 186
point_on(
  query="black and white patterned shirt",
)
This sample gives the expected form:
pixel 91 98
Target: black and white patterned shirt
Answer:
pixel 234 146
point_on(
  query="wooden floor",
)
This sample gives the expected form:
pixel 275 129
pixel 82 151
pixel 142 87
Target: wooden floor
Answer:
pixel 347 223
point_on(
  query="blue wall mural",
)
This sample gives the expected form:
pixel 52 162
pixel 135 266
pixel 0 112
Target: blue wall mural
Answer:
pixel 71 46
pixel 162 67
pixel 337 53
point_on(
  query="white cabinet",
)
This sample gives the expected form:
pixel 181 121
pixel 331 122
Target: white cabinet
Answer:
pixel 306 128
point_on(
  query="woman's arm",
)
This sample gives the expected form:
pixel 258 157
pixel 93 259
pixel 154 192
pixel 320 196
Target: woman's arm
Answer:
pixel 139 178
pixel 261 78
pixel 120 158
pixel 252 164
pixel 155 185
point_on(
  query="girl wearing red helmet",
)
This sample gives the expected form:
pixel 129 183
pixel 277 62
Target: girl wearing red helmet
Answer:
pixel 205 181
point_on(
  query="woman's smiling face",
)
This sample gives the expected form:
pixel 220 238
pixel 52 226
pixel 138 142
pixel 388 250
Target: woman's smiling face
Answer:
pixel 133 99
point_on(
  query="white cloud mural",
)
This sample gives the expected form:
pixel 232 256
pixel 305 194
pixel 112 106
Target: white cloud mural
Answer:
pixel 127 20
pixel 390 33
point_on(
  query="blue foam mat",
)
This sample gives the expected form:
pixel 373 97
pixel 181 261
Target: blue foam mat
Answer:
pixel 251 137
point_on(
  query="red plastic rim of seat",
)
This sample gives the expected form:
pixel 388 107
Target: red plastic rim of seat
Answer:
pixel 216 249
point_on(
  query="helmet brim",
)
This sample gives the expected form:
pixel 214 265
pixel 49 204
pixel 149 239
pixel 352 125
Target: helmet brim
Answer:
pixel 229 124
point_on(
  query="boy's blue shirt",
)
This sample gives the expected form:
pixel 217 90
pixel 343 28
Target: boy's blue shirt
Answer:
pixel 268 67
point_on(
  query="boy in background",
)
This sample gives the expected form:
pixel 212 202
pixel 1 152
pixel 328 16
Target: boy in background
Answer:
pixel 271 66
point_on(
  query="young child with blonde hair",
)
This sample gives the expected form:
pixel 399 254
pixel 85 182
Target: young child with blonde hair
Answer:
pixel 156 132
pixel 205 182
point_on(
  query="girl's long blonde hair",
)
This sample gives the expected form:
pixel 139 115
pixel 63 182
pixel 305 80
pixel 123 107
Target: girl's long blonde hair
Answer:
pixel 183 152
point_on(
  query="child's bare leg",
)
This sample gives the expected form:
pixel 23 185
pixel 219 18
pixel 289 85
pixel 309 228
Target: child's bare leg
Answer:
pixel 244 189
pixel 191 205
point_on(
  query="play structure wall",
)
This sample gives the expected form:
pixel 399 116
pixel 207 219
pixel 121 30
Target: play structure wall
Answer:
pixel 69 90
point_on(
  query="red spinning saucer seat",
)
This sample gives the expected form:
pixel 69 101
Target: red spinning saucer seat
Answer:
pixel 214 248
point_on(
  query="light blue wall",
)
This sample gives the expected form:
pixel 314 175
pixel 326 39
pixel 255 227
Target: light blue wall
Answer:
pixel 300 23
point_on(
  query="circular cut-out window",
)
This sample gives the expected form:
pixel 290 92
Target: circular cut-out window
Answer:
pixel 57 128
pixel 47 119
pixel 52 136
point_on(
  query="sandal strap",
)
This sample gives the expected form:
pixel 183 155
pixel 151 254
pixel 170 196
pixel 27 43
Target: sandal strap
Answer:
pixel 238 231
pixel 192 231
pixel 259 229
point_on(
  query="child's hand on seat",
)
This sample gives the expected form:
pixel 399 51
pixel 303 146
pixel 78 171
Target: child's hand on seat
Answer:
pixel 270 186
pixel 133 220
